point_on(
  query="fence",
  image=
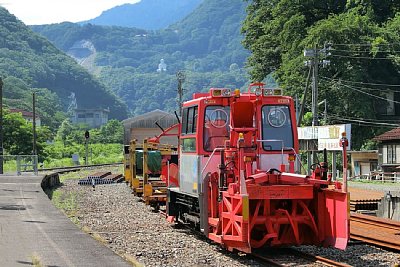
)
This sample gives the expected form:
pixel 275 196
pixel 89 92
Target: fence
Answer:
pixel 391 177
pixel 18 164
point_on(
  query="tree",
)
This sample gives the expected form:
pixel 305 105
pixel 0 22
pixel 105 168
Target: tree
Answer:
pixel 359 33
pixel 63 131
pixel 18 135
pixel 110 133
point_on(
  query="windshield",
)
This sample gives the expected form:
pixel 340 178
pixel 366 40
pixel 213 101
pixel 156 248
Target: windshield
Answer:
pixel 216 127
pixel 276 127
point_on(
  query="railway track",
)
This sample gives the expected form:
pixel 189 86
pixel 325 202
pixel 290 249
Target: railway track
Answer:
pixel 279 257
pixel 376 231
pixel 294 257
pixel 76 168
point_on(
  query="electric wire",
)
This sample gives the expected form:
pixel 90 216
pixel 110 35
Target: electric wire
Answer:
pixel 365 44
pixel 369 120
pixel 365 51
pixel 366 123
pixel 379 84
pixel 369 94
pixel 355 57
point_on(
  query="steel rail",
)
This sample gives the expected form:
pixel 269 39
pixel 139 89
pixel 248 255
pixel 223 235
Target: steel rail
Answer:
pixel 268 261
pixel 298 254
pixel 376 231
pixel 315 258
pixel 77 168
pixel 375 221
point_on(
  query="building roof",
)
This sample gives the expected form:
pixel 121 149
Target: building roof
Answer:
pixel 25 114
pixel 148 120
pixel 393 134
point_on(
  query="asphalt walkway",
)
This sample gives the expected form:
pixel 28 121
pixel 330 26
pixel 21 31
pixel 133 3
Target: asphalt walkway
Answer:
pixel 32 229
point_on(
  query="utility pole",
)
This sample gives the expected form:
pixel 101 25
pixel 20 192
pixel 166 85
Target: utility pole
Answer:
pixel 314 87
pixel 303 102
pixel 181 79
pixel 34 149
pixel 1 127
pixel 34 152
pixel 314 55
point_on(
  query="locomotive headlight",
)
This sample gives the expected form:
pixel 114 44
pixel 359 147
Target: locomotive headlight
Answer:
pixel 220 92
pixel 268 92
pixel 278 91
pixel 226 92
pixel 216 92
pixel 237 92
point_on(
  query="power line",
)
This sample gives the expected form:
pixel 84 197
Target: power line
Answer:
pixel 374 89
pixel 365 51
pixel 370 120
pixel 372 95
pixel 379 84
pixel 365 122
pixel 354 57
pixel 366 44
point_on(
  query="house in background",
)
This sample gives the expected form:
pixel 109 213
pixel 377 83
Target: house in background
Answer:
pixel 92 117
pixel 389 150
pixel 27 115
pixel 363 163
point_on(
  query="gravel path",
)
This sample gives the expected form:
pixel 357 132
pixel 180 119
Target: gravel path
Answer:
pixel 130 228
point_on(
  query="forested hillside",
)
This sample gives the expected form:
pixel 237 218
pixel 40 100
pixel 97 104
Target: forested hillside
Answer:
pixel 29 62
pixel 146 14
pixel 359 38
pixel 206 45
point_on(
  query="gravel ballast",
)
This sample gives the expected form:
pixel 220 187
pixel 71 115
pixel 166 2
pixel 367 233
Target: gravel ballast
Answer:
pixel 114 216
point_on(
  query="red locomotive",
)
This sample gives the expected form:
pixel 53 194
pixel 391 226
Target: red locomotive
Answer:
pixel 237 175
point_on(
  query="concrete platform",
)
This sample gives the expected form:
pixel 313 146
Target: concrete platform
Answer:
pixel 31 228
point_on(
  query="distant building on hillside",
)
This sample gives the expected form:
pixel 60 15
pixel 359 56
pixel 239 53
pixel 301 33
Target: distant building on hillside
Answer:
pixel 92 117
pixel 27 115
pixel 162 66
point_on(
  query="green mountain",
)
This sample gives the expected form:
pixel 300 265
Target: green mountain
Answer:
pixel 206 46
pixel 146 14
pixel 29 61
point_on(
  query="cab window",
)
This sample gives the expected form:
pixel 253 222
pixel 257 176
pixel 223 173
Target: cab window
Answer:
pixel 277 131
pixel 188 144
pixel 189 120
pixel 216 127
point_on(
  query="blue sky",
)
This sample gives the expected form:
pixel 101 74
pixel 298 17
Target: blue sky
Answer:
pixel 33 12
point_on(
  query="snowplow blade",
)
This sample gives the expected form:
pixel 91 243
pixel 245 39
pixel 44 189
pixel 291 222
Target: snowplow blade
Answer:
pixel 333 211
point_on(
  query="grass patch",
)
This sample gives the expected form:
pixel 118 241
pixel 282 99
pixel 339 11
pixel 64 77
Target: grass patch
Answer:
pixel 67 202
pixel 95 235
pixel 132 260
pixel 36 261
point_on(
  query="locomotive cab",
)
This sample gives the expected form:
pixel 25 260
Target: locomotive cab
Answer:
pixel 238 179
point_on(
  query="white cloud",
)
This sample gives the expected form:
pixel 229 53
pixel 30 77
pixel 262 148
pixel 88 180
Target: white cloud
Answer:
pixel 54 11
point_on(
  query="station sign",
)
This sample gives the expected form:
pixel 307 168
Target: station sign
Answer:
pixel 328 136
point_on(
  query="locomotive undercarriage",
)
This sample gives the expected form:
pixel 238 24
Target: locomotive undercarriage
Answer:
pixel 185 208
